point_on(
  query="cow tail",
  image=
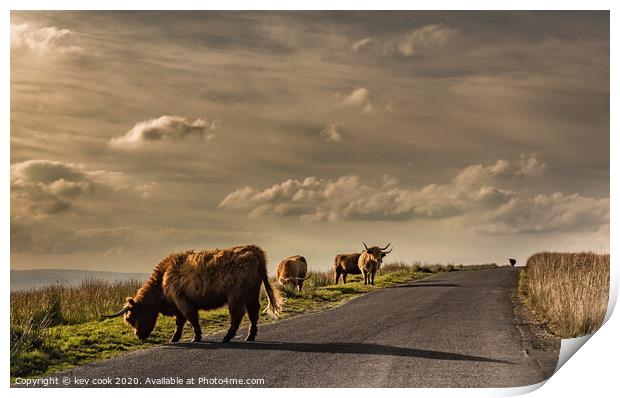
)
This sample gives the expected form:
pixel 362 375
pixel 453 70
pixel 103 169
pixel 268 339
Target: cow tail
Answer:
pixel 273 293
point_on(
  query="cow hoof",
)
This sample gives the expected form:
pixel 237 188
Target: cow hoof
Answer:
pixel 173 340
pixel 250 338
pixel 197 339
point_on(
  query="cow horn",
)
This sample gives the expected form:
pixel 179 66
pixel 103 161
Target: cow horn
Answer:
pixel 386 247
pixel 121 312
pixel 389 251
pixel 365 245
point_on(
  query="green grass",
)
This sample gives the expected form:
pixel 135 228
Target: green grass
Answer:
pixel 58 327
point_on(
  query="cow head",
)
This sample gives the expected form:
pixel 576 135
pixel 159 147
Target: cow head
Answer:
pixel 377 253
pixel 140 316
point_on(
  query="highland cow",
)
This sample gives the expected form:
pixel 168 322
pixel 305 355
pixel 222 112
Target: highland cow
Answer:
pixel 186 282
pixel 292 271
pixel 345 264
pixel 369 262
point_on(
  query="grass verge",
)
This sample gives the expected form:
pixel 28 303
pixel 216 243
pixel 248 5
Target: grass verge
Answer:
pixel 567 292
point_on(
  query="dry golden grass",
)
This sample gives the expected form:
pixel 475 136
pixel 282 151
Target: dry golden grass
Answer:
pixel 568 291
pixel 65 304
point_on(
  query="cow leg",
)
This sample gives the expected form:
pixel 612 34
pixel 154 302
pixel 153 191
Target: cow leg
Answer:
pixel 337 277
pixel 372 278
pixel 194 320
pixel 253 309
pixel 180 321
pixel 344 278
pixel 300 285
pixel 190 312
pixel 236 310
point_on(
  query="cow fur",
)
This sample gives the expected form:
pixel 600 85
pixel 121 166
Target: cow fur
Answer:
pixel 345 264
pixel 369 262
pixel 292 271
pixel 186 282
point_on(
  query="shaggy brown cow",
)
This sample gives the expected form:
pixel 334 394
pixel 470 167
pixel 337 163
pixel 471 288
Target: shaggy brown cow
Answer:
pixel 292 271
pixel 346 264
pixel 370 260
pixel 185 282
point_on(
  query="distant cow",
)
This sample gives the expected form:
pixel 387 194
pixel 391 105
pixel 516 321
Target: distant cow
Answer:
pixel 292 271
pixel 512 262
pixel 369 262
pixel 185 282
pixel 346 264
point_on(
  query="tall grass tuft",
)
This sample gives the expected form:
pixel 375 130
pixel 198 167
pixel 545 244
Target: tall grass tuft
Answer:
pixel 569 291
pixel 68 304
pixel 34 311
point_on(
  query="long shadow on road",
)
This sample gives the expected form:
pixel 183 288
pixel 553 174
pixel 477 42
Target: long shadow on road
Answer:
pixel 336 348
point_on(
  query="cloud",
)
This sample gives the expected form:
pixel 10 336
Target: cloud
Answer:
pixel 353 198
pixel 43 40
pixel 46 187
pixel 331 133
pixel 531 166
pixel 165 128
pixel 491 83
pixel 555 212
pixel 526 166
pixel 429 36
pixel 358 99
pixel 478 195
pixel 360 44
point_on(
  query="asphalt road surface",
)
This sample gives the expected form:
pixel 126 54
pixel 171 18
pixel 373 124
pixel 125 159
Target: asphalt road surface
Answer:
pixel 456 329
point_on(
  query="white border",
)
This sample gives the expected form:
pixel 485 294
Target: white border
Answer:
pixel 592 371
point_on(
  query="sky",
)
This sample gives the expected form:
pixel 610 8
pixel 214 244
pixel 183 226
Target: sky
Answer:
pixel 459 137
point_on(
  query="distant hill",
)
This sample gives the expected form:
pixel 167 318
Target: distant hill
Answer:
pixel 25 279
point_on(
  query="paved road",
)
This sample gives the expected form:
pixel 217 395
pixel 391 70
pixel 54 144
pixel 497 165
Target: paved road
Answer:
pixel 452 330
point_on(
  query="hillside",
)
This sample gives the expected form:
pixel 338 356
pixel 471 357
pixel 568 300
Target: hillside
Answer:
pixel 32 278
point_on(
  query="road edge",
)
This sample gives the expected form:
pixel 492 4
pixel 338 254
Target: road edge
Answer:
pixel 537 343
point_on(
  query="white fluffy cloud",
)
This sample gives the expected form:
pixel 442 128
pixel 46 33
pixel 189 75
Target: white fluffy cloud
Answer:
pixel 479 195
pixel 435 35
pixel 526 166
pixel 358 99
pixel 352 198
pixel 360 44
pixel 332 133
pixel 48 187
pixel 165 128
pixel 42 40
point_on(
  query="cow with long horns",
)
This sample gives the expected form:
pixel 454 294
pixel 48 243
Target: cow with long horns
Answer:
pixel 186 282
pixel 370 260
